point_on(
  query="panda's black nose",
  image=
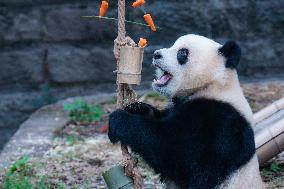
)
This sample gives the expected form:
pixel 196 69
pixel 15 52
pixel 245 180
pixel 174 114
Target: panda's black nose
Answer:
pixel 157 55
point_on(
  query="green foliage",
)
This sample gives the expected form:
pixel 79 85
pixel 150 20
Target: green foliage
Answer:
pixel 252 103
pixel 275 167
pixel 17 176
pixel 83 112
pixel 155 95
pixel 272 170
pixel 20 175
pixel 70 140
pixel 19 165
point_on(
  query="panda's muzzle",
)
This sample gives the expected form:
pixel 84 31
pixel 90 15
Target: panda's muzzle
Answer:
pixel 164 79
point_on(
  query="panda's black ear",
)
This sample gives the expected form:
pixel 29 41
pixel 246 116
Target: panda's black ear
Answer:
pixel 232 52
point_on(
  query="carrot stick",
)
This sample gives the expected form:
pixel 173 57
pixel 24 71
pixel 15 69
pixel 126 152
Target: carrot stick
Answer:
pixel 138 3
pixel 150 22
pixel 103 9
pixel 142 42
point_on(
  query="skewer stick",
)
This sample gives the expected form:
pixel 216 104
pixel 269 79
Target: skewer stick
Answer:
pixel 115 19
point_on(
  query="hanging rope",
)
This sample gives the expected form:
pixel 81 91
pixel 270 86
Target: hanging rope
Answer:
pixel 125 95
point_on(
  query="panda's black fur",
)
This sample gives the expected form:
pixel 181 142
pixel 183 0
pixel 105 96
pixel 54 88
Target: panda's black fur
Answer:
pixel 232 52
pixel 195 143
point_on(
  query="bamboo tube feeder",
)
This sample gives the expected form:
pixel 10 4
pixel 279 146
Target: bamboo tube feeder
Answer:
pixel 130 65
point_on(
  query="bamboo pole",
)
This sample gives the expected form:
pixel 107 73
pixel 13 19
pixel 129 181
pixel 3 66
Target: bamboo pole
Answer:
pixel 269 131
pixel 268 111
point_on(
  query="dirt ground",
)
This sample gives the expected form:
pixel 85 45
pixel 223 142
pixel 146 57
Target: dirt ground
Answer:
pixel 80 153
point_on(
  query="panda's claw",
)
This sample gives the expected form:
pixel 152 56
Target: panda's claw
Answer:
pixel 139 108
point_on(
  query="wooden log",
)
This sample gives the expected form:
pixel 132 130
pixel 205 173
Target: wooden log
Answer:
pixel 115 178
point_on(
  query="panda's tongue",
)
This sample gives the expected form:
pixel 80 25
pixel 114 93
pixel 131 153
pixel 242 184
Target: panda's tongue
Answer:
pixel 163 80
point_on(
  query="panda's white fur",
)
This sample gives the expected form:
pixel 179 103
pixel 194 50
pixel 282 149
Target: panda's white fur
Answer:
pixel 205 75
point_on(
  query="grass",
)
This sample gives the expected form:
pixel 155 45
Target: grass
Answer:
pixel 70 140
pixel 21 175
pixel 84 113
pixel 155 95
pixel 253 104
pixel 272 173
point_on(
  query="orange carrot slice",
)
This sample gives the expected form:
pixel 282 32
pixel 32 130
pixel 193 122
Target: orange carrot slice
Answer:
pixel 138 3
pixel 142 42
pixel 104 7
pixel 104 128
pixel 150 22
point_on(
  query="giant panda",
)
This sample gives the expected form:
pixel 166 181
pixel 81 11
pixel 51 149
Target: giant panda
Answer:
pixel 204 139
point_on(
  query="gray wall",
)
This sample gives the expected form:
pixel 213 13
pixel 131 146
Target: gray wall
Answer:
pixel 80 51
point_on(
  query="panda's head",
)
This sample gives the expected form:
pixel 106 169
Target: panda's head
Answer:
pixel 192 64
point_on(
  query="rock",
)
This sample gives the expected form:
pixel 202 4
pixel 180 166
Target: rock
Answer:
pixel 18 106
pixel 264 59
pixel 20 67
pixel 20 26
pixel 66 63
pixel 71 64
pixel 34 136
pixel 65 23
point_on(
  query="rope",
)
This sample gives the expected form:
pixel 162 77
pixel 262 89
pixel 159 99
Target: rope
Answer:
pixel 125 94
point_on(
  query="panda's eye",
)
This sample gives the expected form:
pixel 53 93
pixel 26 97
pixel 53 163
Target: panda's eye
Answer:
pixel 182 55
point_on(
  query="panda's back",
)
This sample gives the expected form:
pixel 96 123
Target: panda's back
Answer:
pixel 211 140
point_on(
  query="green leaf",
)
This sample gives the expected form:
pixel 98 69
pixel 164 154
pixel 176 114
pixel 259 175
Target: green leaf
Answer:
pixel 275 167
pixel 70 140
pixel 19 163
pixel 81 111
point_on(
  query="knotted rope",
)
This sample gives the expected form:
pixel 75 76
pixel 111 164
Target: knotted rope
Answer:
pixel 125 94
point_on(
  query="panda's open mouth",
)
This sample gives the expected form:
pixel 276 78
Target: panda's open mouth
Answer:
pixel 164 79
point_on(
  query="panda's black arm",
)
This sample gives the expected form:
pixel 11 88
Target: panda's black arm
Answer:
pixel 138 132
pixel 207 138
pixel 146 110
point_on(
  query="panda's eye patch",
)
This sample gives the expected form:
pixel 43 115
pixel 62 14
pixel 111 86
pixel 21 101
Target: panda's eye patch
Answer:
pixel 182 56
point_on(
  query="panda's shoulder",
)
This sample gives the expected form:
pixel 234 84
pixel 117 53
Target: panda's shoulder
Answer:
pixel 210 108
pixel 200 103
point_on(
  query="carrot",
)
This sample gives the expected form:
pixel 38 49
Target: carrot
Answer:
pixel 142 42
pixel 104 128
pixel 138 3
pixel 103 9
pixel 150 22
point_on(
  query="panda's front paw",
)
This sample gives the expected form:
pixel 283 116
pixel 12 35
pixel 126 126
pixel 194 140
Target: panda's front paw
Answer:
pixel 140 108
pixel 116 125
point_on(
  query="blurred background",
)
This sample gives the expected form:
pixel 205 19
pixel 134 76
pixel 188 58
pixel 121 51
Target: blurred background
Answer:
pixel 48 53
